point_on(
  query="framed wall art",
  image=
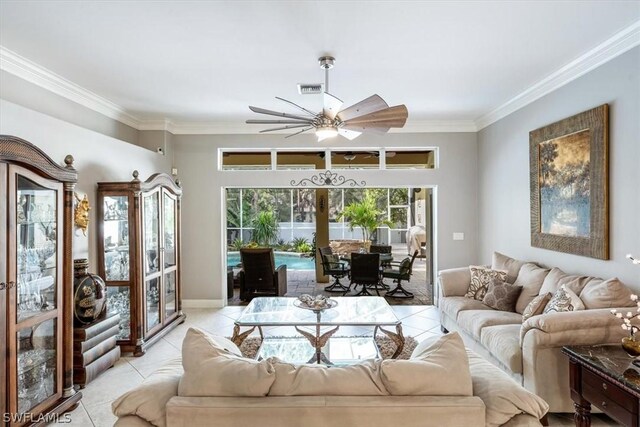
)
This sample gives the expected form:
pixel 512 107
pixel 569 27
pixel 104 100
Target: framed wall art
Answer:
pixel 569 184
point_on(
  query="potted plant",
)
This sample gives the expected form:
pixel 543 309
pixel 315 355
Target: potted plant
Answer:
pixel 365 215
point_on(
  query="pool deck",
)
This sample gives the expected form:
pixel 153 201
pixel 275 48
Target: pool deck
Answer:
pixel 304 282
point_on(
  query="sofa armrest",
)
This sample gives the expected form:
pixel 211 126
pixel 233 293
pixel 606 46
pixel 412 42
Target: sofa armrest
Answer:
pixel 577 325
pixel 281 279
pixel 454 282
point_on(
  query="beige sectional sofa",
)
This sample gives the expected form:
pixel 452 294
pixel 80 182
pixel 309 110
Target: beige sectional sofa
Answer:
pixel 194 391
pixel 530 352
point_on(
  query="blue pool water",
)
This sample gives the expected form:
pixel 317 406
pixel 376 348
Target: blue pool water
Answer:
pixel 293 262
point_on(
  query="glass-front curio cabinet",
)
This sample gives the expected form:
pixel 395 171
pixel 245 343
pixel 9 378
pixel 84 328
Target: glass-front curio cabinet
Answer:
pixel 36 283
pixel 139 256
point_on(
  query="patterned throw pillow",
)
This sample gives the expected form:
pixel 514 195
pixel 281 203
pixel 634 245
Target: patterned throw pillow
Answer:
pixel 502 295
pixel 564 300
pixel 536 306
pixel 480 279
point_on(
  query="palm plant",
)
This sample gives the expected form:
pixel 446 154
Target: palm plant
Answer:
pixel 265 228
pixel 365 215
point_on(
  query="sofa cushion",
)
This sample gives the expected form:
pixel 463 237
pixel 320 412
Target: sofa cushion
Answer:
pixel 438 367
pixel 212 371
pixel 564 300
pixel 503 342
pixel 530 278
pixel 502 396
pixel 452 306
pixel 536 306
pixel 606 294
pixel 480 278
pixel 149 399
pixel 501 296
pixel 508 264
pixel 557 278
pixel 360 379
pixel 472 321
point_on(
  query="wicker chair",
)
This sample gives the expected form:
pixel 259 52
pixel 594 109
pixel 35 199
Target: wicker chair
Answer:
pixel 259 276
pixel 403 271
pixel 365 271
pixel 331 266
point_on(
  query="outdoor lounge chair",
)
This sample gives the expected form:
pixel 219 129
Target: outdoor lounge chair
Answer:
pixel 403 271
pixel 332 266
pixel 365 271
pixel 259 276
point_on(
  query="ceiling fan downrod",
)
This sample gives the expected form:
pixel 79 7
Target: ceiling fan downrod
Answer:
pixel 326 63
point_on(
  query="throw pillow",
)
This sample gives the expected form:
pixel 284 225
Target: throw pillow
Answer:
pixel 210 370
pixel 360 379
pixel 530 278
pixel 606 294
pixel 536 306
pixel 564 300
pixel 508 264
pixel 480 278
pixel 438 367
pixel 502 295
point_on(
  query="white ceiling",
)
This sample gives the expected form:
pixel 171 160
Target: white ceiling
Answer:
pixel 207 61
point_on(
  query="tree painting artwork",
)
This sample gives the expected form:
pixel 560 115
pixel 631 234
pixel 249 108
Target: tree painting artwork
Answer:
pixel 564 185
pixel 569 183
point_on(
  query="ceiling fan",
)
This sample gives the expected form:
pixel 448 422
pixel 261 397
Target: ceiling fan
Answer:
pixel 371 115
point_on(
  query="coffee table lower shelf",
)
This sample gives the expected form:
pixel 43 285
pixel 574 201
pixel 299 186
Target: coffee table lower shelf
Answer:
pixel 337 350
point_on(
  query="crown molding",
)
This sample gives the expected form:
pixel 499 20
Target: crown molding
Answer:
pixel 611 48
pixel 27 70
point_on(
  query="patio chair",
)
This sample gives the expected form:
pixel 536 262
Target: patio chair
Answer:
pixel 259 276
pixel 365 271
pixel 332 266
pixel 402 271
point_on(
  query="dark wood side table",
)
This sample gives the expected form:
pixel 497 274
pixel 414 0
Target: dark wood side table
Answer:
pixel 604 376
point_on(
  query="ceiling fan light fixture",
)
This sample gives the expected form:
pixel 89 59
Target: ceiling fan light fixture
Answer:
pixel 326 132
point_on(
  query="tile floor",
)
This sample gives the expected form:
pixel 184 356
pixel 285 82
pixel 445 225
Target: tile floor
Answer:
pixel 419 321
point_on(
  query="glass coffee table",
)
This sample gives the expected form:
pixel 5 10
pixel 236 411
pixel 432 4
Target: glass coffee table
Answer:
pixel 350 311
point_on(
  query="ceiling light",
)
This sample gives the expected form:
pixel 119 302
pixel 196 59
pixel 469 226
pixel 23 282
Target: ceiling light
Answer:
pixel 326 132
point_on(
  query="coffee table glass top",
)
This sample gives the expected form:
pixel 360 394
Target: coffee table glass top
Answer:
pixel 340 350
pixel 351 311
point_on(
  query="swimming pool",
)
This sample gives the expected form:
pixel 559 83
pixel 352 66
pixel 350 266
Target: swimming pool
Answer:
pixel 292 261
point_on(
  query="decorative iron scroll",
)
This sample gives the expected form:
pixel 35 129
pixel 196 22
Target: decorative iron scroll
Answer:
pixel 328 179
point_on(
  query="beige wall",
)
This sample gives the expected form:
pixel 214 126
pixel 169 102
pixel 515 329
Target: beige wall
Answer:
pixel 196 157
pixel 504 170
pixel 97 158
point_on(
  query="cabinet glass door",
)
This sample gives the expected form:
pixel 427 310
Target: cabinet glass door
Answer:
pixel 152 291
pixel 116 238
pixel 36 249
pixel 170 254
pixel 37 364
pixel 151 232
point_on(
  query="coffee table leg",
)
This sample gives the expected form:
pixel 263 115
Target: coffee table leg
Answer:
pixel 396 337
pixel 318 341
pixel 237 338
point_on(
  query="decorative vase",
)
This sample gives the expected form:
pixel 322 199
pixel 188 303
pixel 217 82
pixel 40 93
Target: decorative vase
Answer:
pixel 631 346
pixel 89 294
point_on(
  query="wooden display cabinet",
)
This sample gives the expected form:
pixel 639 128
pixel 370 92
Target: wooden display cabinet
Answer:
pixel 139 257
pixel 36 284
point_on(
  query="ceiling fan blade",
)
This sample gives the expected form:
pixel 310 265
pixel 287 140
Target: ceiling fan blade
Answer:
pixel 284 128
pixel 331 105
pixel 367 128
pixel 366 106
pixel 389 154
pixel 275 113
pixel 278 122
pixel 389 117
pixel 297 106
pixel 299 132
pixel 349 134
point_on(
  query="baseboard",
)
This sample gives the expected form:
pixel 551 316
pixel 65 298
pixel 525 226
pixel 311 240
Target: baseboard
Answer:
pixel 203 303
